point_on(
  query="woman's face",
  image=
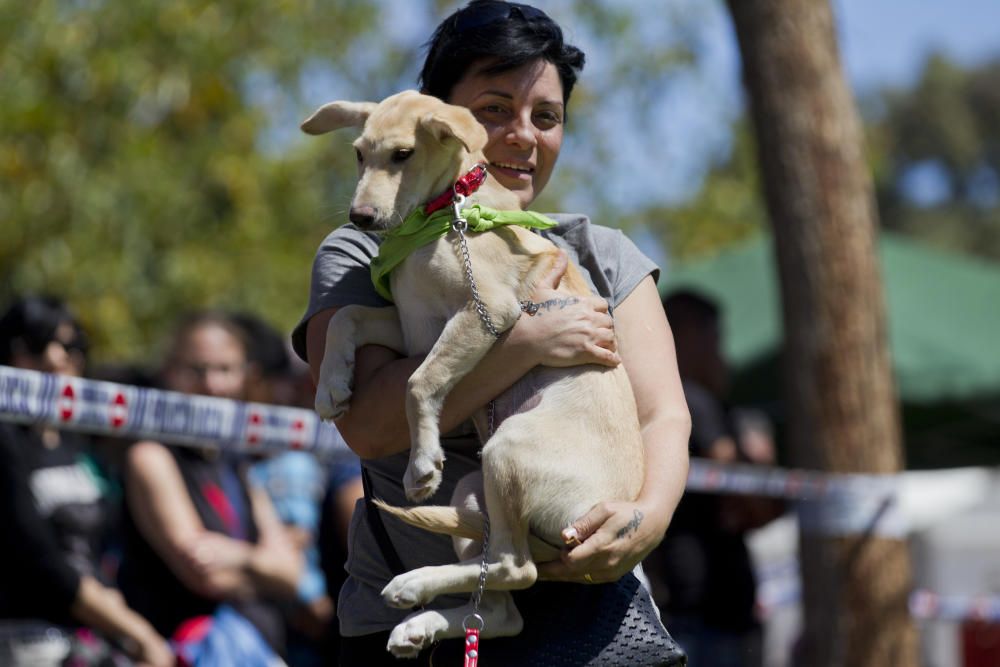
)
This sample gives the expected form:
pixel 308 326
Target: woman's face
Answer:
pixel 522 111
pixel 61 355
pixel 210 361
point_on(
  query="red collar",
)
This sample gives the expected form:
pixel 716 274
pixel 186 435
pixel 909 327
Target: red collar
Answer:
pixel 466 185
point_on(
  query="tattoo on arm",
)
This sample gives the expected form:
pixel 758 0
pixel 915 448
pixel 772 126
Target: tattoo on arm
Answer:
pixel 632 525
pixel 552 304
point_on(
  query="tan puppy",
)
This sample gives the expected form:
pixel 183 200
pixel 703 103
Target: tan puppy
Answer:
pixel 567 438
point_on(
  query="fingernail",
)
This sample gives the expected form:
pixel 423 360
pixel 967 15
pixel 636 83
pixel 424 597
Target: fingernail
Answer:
pixel 571 536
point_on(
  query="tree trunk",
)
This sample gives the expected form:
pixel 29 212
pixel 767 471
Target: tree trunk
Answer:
pixel 843 413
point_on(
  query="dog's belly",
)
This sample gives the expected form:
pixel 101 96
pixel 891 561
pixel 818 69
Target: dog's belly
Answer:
pixel 571 438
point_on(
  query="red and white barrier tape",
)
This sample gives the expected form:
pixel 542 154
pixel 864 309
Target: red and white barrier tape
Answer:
pixel 106 408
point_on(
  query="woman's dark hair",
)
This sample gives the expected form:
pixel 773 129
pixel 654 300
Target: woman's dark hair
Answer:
pixel 194 320
pixel 506 34
pixel 30 324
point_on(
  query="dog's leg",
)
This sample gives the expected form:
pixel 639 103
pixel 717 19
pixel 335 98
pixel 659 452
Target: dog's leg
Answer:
pixel 351 327
pixel 462 343
pixel 509 568
pixel 421 629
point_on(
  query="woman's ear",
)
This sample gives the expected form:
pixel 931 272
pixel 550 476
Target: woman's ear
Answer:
pixel 455 122
pixel 335 115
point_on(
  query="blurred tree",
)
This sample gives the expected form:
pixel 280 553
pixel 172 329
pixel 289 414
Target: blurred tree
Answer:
pixel 133 174
pixel 149 157
pixel 938 156
pixel 843 414
pixel 727 210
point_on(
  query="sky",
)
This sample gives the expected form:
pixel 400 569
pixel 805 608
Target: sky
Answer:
pixel 883 43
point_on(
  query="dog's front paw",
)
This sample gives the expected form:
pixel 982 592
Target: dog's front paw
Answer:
pixel 410 637
pixel 405 591
pixel 423 475
pixel 333 391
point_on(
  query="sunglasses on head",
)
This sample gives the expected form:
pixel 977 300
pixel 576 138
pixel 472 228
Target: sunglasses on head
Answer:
pixel 487 13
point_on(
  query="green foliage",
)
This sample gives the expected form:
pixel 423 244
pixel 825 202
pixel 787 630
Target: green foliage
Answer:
pixel 150 161
pixel 133 180
pixel 946 122
pixel 727 210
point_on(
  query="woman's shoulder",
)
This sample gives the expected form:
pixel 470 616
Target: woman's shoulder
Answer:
pixel 349 240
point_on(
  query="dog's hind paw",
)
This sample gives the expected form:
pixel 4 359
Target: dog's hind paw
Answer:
pixel 423 476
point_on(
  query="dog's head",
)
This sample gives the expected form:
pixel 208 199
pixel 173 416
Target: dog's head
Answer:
pixel 411 149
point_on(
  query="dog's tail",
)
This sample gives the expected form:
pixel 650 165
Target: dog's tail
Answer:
pixel 442 519
pixel 460 522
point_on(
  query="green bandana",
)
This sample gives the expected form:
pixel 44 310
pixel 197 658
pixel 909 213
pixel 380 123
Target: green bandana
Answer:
pixel 420 229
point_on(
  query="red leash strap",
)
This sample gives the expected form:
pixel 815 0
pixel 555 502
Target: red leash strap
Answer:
pixel 465 186
pixel 471 647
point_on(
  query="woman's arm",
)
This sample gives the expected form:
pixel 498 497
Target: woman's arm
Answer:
pixel 274 564
pixel 167 518
pixel 618 535
pixel 375 425
pixel 104 609
pixel 208 563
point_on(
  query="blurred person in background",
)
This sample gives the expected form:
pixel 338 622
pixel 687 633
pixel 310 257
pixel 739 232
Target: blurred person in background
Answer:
pixel 701 574
pixel 206 558
pixel 53 513
pixel 306 493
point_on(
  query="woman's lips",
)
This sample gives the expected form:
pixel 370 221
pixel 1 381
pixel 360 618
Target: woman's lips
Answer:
pixel 512 170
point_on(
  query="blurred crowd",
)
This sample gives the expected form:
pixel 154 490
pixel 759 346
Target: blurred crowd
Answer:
pixel 121 553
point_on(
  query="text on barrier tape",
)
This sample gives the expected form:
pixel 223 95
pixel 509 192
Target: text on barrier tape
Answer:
pixel 107 408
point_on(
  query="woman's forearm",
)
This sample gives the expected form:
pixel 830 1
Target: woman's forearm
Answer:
pixel 104 609
pixel 666 451
pixel 376 423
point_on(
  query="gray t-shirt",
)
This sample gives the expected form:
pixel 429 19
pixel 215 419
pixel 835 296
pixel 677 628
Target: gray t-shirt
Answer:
pixel 613 266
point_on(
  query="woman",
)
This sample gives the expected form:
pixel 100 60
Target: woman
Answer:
pixel 53 513
pixel 196 534
pixel 509 65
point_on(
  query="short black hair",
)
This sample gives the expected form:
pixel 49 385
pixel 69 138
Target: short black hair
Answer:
pixel 32 321
pixel 684 306
pixel 519 34
pixel 267 346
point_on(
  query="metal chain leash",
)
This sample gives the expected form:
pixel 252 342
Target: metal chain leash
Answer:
pixel 474 623
pixel 460 224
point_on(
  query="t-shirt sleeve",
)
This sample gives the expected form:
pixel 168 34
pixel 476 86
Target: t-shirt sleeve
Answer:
pixel 624 265
pixel 340 276
pixel 37 557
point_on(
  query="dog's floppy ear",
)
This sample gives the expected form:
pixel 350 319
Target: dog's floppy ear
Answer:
pixel 335 115
pixel 454 122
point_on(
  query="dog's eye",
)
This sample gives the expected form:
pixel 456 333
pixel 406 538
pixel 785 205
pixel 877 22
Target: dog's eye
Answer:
pixel 357 153
pixel 402 154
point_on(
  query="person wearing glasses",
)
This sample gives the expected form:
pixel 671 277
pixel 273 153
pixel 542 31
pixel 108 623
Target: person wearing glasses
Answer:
pixel 202 547
pixel 507 63
pixel 53 511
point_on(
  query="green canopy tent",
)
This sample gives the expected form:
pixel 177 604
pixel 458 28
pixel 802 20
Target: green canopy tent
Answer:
pixel 944 330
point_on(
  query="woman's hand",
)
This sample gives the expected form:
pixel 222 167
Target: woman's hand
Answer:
pixel 610 540
pixel 152 650
pixel 566 330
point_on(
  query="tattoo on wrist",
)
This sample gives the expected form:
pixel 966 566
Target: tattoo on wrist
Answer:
pixel 532 308
pixel 632 525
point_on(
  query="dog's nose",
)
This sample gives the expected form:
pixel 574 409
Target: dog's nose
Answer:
pixel 362 216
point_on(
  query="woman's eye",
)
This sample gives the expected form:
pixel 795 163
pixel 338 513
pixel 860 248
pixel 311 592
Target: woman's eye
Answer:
pixel 547 119
pixel 402 154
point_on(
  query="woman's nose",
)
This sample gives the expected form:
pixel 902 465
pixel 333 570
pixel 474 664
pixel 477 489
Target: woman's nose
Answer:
pixel 521 132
